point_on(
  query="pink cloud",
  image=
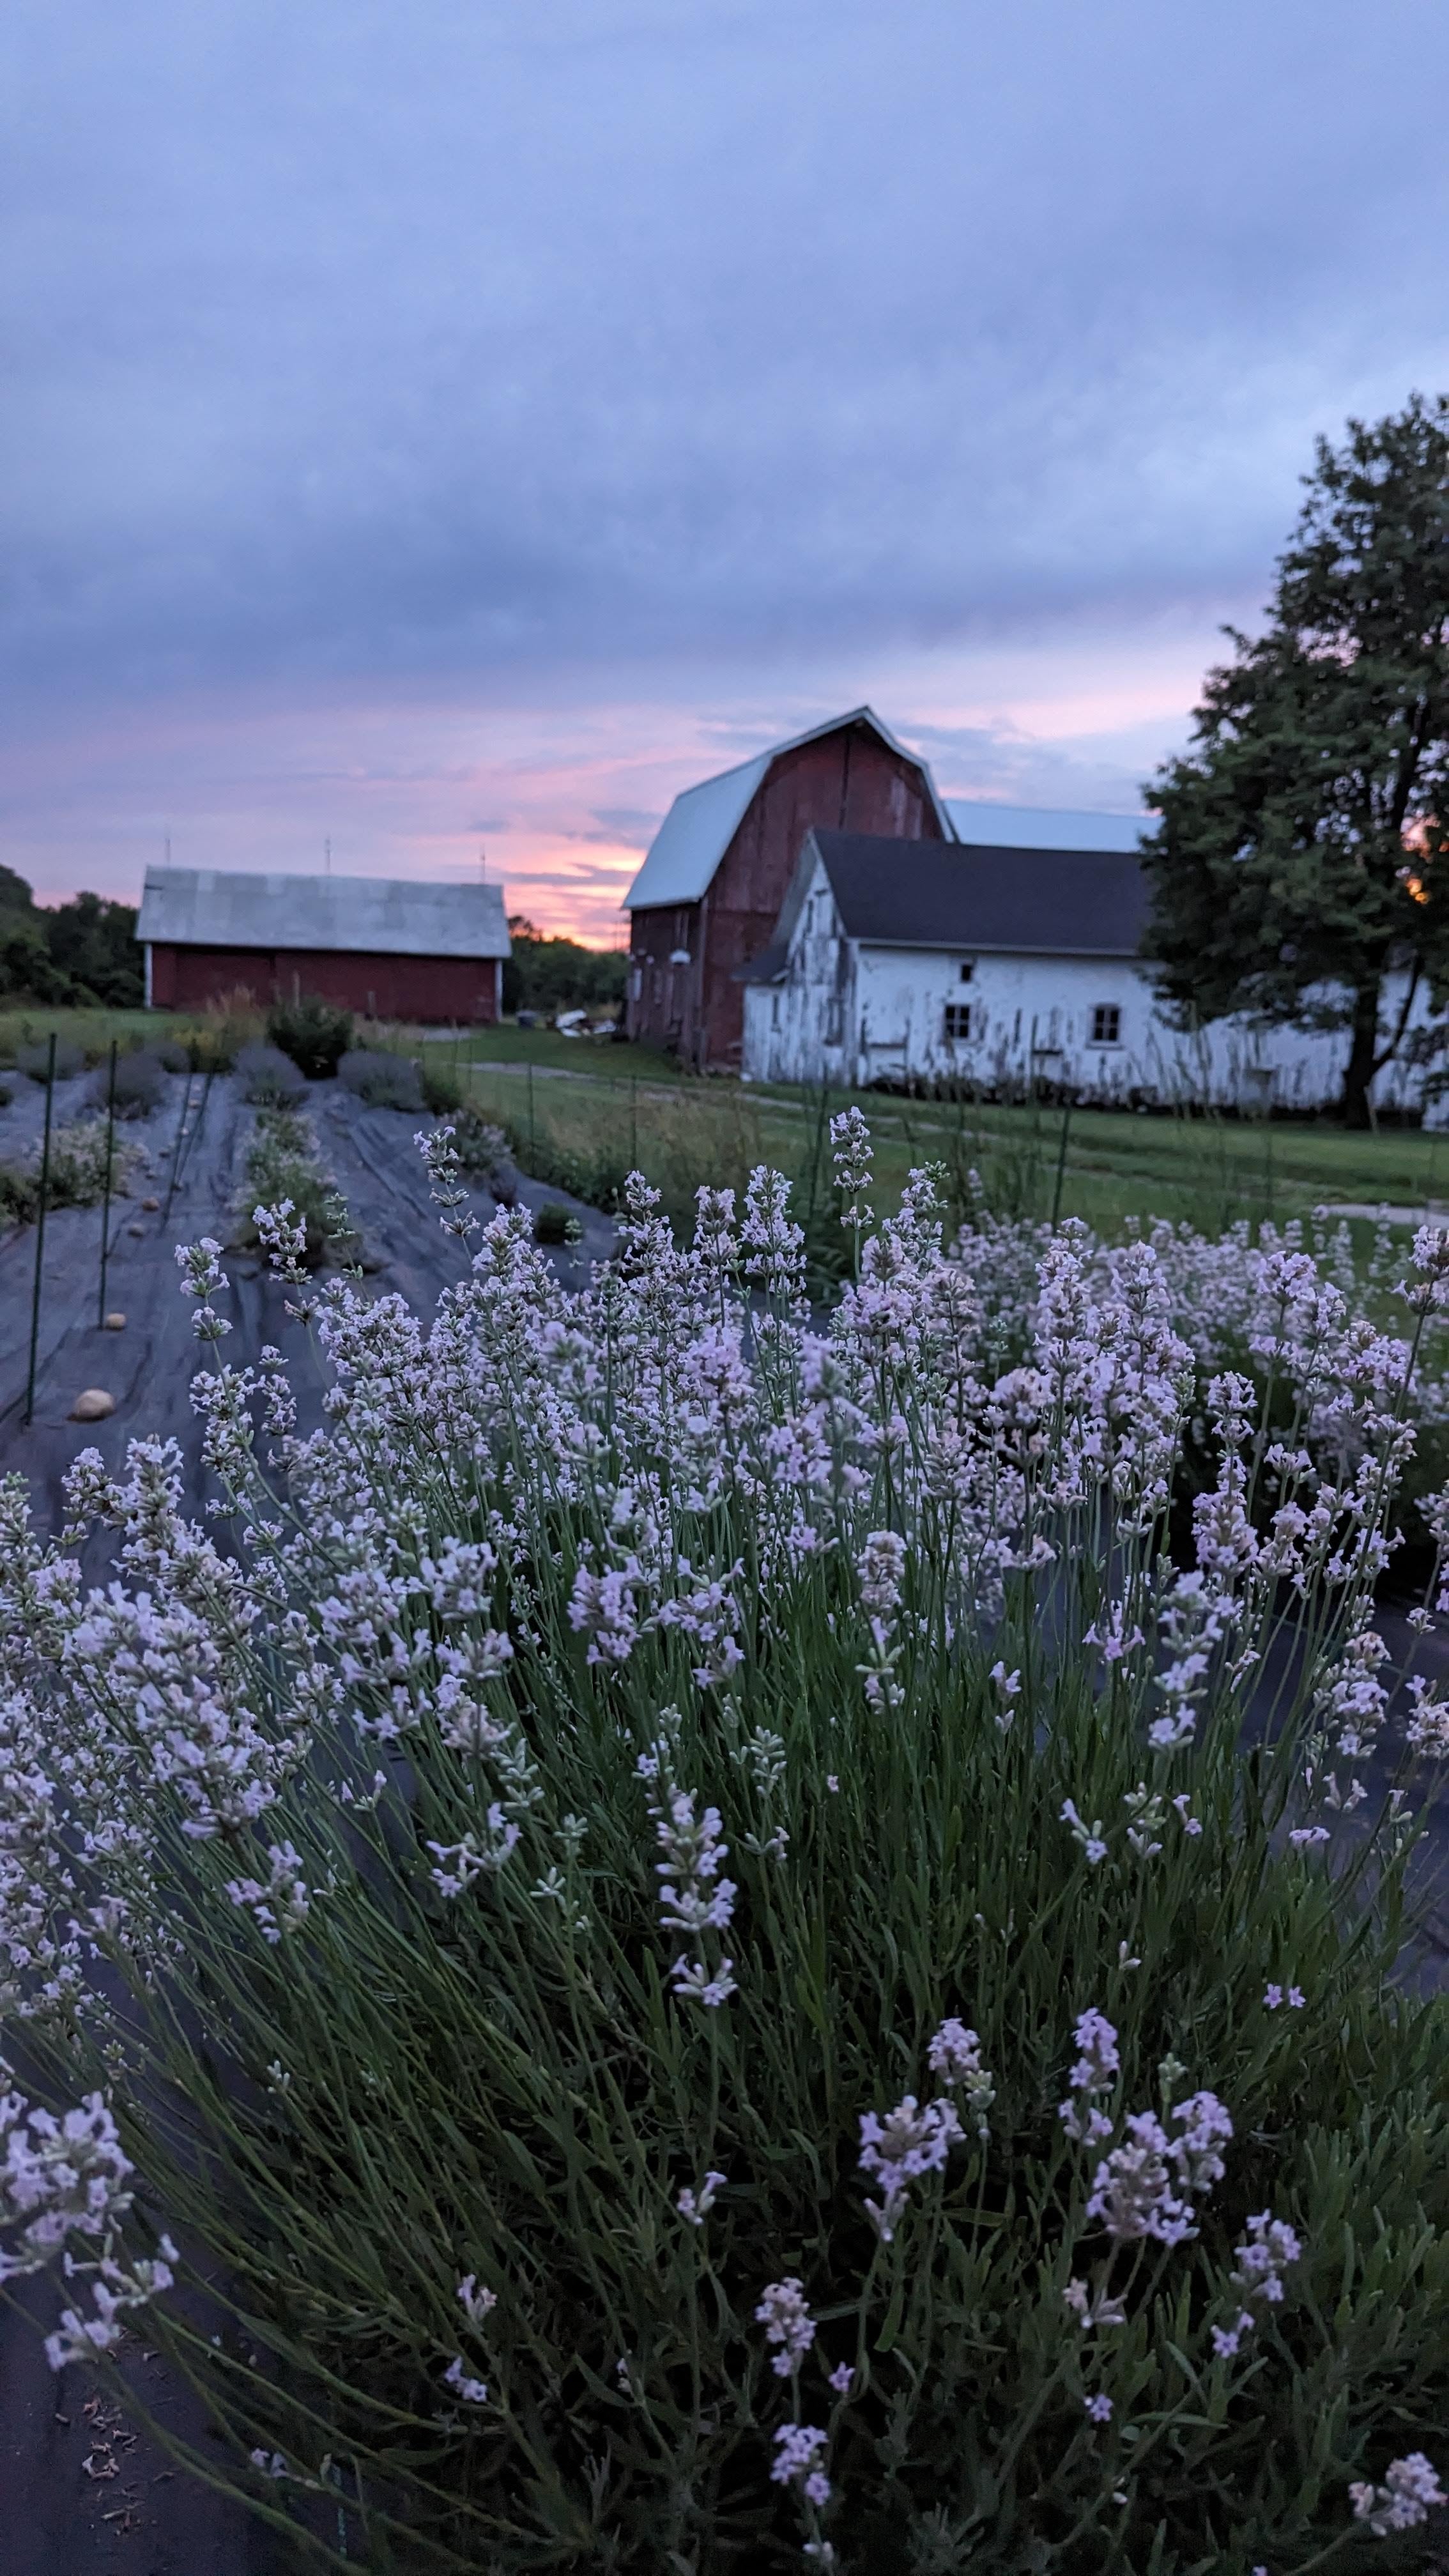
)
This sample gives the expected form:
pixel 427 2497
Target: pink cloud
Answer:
pixel 562 798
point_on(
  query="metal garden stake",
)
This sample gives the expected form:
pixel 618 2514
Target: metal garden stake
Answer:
pixel 176 1152
pixel 200 1119
pixel 1062 1158
pixel 40 1231
pixel 106 1197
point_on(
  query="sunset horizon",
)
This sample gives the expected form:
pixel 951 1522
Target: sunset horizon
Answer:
pixel 555 804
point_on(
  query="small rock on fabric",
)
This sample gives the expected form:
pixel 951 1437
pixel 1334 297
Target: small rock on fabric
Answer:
pixel 92 1405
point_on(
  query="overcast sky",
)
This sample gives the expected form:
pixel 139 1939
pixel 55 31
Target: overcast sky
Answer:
pixel 447 424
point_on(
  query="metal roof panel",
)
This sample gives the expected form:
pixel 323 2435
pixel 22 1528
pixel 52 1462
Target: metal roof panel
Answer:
pixel 1041 827
pixel 694 836
pixel 371 916
pixel 702 822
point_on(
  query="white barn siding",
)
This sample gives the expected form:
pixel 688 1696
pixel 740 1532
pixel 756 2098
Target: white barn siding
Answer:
pixel 855 1012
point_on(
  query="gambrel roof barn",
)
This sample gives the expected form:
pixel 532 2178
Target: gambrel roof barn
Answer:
pixel 708 895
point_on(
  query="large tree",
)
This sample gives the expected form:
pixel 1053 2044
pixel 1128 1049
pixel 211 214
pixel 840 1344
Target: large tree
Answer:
pixel 82 951
pixel 1302 865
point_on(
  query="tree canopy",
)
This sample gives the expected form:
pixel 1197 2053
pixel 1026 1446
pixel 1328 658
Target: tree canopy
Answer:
pixel 83 951
pixel 1303 855
pixel 548 975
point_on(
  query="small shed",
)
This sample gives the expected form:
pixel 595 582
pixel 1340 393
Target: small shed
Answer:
pixel 389 946
pixel 708 895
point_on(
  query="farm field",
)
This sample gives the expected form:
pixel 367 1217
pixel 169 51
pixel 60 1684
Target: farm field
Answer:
pixel 848 1708
pixel 587 1109
pixel 148 1365
pixel 25 1024
pixel 724 1452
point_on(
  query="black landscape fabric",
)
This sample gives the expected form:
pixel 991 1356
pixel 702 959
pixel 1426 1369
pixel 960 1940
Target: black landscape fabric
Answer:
pixel 79 2487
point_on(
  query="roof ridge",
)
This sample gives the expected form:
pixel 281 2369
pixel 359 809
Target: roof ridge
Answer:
pixel 158 870
pixel 686 850
pixel 775 750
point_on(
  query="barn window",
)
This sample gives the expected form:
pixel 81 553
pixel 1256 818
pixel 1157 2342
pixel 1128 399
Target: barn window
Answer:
pixel 968 969
pixel 834 1021
pixel 958 1022
pixel 1106 1024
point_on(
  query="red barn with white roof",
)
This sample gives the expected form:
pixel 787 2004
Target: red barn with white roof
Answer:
pixel 708 895
pixel 392 947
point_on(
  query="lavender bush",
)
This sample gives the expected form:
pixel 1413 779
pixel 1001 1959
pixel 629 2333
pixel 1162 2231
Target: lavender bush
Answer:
pixel 283 1171
pixel 268 1077
pixel 1220 1295
pixel 383 1081
pixel 717 1956
pixel 79 1151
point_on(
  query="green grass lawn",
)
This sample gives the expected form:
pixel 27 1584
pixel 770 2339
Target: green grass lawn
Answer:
pixel 622 1105
pixel 509 1045
pixel 23 1024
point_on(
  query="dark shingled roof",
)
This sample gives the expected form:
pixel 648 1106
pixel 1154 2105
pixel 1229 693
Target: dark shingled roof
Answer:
pixel 936 894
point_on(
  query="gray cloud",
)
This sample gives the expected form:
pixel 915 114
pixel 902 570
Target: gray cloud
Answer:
pixel 348 340
pixel 1101 774
pixel 627 825
pixel 679 352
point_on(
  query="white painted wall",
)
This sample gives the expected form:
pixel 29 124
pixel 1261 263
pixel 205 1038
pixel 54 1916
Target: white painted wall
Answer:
pixel 858 1014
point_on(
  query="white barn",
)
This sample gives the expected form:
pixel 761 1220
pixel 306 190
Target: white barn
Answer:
pixel 994 964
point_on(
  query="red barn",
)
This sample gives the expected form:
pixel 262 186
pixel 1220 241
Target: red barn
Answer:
pixel 709 893
pixel 384 945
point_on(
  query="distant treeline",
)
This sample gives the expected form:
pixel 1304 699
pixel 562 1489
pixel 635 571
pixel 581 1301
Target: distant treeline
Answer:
pixel 81 952
pixel 548 975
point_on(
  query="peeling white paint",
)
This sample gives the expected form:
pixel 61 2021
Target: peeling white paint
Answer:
pixel 852 1012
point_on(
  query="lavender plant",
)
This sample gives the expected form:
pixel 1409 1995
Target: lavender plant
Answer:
pixel 76 1176
pixel 717 1956
pixel 284 1171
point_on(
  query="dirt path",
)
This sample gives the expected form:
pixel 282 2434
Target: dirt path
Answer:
pixel 79 2489
pixel 149 1365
